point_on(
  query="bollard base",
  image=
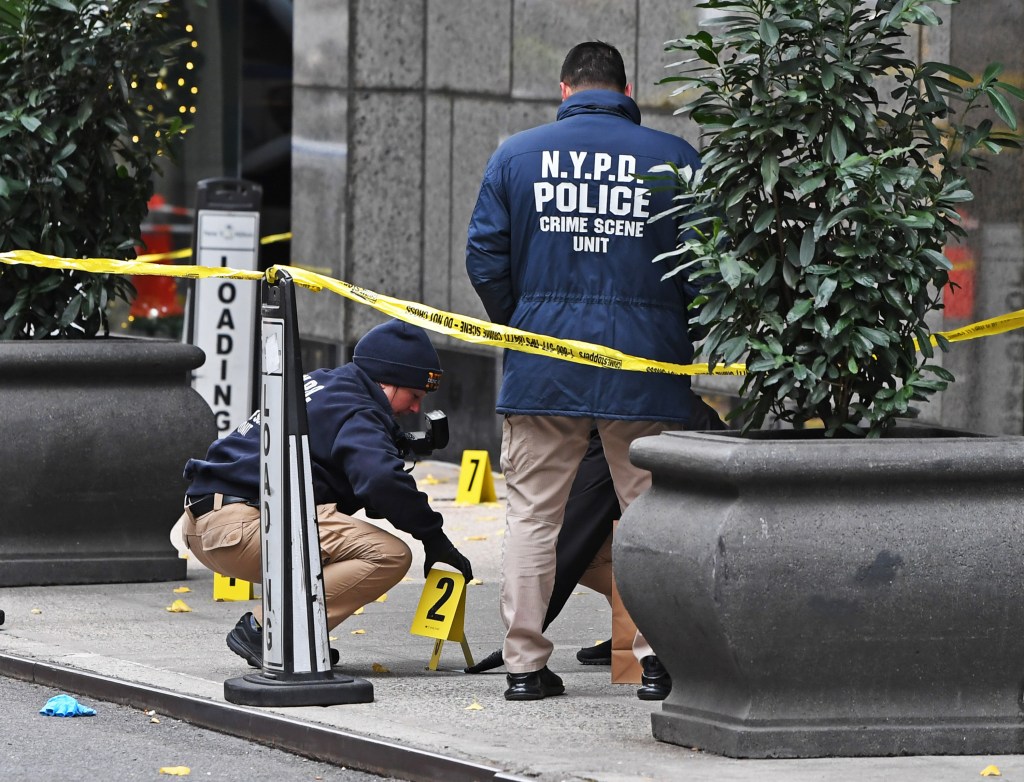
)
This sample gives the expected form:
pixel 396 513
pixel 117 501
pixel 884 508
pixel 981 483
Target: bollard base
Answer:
pixel 256 689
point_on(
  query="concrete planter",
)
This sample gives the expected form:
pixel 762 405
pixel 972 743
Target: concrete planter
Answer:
pixel 95 434
pixel 814 598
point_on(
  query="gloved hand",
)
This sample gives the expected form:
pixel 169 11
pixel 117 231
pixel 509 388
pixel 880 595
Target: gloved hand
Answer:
pixel 440 549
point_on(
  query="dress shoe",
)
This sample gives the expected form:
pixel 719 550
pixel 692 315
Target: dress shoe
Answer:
pixel 599 654
pixel 493 660
pixel 655 683
pixel 533 686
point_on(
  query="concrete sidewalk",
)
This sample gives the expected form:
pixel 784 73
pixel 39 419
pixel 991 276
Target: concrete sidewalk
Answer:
pixel 119 642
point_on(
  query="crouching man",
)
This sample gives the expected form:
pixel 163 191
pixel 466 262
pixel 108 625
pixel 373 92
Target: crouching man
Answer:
pixel 357 463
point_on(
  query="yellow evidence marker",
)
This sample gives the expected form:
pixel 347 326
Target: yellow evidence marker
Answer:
pixel 441 613
pixel 476 483
pixel 226 588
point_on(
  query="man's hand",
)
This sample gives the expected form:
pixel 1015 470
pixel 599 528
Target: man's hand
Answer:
pixel 441 549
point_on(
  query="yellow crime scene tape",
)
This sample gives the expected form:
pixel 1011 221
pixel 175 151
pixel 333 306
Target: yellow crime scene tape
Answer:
pixel 461 327
pixel 483 332
pixel 985 328
pixel 187 252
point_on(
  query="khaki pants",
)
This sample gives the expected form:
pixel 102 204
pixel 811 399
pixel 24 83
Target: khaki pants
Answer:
pixel 539 457
pixel 360 560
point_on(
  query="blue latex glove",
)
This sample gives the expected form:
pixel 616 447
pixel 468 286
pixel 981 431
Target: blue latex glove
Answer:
pixel 65 706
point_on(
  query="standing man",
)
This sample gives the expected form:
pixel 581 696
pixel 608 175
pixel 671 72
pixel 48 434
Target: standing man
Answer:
pixel 560 244
pixel 356 452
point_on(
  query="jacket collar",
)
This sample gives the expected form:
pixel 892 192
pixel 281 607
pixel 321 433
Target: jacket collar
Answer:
pixel 600 102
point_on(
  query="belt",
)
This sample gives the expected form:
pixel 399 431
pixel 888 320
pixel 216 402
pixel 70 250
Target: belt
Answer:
pixel 203 504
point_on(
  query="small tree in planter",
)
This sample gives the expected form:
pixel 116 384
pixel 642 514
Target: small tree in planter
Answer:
pixel 99 426
pixel 833 168
pixel 823 596
pixel 84 122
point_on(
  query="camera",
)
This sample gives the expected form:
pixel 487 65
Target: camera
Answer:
pixel 434 439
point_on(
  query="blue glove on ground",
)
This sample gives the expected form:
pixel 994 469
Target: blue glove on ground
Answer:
pixel 65 706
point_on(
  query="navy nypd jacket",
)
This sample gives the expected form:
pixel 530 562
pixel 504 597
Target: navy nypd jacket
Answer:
pixel 560 244
pixel 354 448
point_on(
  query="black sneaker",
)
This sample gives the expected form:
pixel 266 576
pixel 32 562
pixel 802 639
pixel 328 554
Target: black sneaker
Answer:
pixel 246 640
pixel 655 683
pixel 600 654
pixel 533 686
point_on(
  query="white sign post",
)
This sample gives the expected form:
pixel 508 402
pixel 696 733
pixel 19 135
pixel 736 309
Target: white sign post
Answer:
pixel 224 319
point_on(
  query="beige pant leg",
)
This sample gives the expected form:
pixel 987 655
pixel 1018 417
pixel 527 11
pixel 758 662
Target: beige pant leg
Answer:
pixel 630 481
pixel 539 457
pixel 360 562
pixel 227 541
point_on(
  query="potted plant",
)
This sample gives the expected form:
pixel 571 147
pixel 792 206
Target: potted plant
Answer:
pixel 96 431
pixel 836 591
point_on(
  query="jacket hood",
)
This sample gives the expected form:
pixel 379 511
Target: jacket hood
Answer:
pixel 600 101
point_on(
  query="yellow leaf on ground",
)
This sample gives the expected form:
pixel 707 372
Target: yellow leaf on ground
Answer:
pixel 358 611
pixel 383 598
pixel 474 706
pixel 37 610
pixel 181 590
pixel 476 537
pixel 176 771
pixel 378 668
pixel 154 720
pixel 475 582
pixel 430 480
pixel 358 632
pixel 331 638
pixel 178 607
pixel 404 580
pixel 991 771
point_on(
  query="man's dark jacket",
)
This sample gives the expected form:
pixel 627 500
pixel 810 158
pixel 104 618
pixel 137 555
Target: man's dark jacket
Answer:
pixel 561 244
pixel 354 447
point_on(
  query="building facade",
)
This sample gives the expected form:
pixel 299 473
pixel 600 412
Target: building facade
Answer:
pixel 397 105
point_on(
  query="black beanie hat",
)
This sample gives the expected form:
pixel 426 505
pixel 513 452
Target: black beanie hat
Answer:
pixel 399 354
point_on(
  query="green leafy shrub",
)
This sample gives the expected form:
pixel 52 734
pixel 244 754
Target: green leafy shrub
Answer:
pixel 83 125
pixel 833 169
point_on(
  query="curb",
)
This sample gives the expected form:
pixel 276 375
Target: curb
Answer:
pixel 318 742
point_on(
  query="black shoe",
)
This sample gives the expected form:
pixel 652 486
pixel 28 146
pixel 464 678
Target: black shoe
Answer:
pixel 246 640
pixel 601 654
pixel 493 660
pixel 533 686
pixel 655 683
